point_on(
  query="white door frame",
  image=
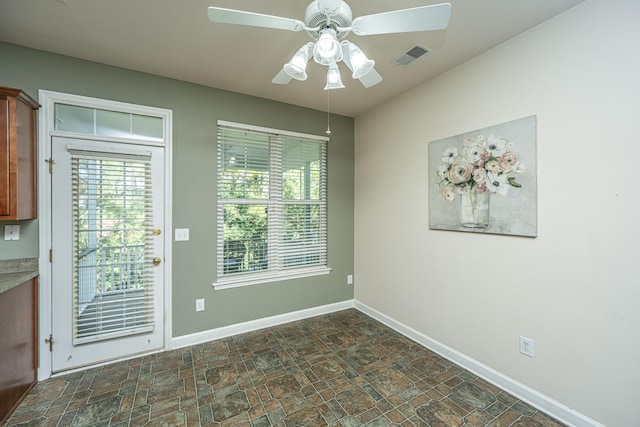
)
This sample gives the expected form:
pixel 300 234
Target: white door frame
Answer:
pixel 46 130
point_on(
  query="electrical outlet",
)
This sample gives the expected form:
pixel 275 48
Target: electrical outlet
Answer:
pixel 350 279
pixel 526 346
pixel 200 304
pixel 182 234
pixel 11 232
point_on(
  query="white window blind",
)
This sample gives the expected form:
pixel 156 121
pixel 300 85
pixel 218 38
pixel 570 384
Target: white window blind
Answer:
pixel 112 226
pixel 272 204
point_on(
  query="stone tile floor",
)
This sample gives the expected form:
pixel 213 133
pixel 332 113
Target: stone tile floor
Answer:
pixel 342 369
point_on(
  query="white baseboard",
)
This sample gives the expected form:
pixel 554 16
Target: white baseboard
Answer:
pixel 536 399
pixel 253 325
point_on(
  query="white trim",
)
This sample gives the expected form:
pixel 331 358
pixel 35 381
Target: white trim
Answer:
pixel 87 136
pixel 533 397
pixel 103 104
pixel 44 229
pixel 91 152
pixel 243 126
pixel 46 130
pixel 105 363
pixel 226 282
pixel 253 325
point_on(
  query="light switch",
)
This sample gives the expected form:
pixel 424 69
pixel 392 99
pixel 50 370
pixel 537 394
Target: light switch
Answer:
pixel 11 232
pixel 182 234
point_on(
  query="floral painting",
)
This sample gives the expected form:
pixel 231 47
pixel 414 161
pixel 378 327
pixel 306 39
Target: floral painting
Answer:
pixel 485 181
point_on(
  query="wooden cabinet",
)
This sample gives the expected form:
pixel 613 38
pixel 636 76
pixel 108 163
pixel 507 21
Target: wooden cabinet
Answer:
pixel 18 344
pixel 18 172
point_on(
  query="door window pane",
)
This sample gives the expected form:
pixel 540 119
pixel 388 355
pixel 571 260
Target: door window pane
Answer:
pixel 113 123
pixel 71 118
pixel 93 121
pixel 111 221
pixel 146 126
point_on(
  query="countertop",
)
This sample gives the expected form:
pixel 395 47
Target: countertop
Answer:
pixel 16 271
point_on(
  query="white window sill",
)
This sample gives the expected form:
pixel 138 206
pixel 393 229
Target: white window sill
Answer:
pixel 251 279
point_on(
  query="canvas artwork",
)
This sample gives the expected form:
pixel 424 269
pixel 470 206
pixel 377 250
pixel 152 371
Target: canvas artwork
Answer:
pixel 484 181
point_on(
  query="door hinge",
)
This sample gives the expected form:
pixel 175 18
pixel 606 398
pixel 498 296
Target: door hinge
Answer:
pixel 50 255
pixel 50 342
pixel 51 162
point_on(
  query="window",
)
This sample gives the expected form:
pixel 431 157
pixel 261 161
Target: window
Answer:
pixel 102 122
pixel 112 206
pixel 272 205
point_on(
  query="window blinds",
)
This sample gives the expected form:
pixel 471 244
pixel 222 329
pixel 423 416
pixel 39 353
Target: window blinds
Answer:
pixel 272 201
pixel 304 216
pixel 112 226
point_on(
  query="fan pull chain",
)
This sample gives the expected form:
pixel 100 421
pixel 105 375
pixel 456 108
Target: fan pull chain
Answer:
pixel 328 128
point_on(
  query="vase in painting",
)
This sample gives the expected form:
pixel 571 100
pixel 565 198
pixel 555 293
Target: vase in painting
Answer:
pixel 474 209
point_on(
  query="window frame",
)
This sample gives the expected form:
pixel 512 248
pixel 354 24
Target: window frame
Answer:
pixel 276 202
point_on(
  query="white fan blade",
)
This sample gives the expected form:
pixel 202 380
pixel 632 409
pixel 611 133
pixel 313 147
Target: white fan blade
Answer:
pixel 230 16
pixel 372 78
pixel 282 78
pixel 424 18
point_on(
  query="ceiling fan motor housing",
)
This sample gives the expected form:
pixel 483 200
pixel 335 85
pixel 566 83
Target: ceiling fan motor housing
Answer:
pixel 314 17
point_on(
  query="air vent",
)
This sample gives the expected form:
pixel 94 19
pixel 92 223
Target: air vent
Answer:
pixel 411 55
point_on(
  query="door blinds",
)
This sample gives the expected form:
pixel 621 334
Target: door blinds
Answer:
pixel 112 230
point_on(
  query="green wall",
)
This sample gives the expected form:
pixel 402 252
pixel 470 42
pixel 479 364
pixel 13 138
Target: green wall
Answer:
pixel 195 111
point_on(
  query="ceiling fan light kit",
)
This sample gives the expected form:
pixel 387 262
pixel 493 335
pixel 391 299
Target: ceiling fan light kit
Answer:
pixel 296 68
pixel 329 22
pixel 360 63
pixel 334 80
pixel 327 49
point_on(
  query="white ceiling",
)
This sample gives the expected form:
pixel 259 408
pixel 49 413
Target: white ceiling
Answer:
pixel 175 39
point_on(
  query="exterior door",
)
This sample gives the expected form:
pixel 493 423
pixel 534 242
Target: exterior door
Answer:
pixel 107 281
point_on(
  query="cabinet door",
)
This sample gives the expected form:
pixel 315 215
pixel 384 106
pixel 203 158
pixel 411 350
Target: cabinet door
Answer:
pixel 17 156
pixel 18 344
pixel 4 157
pixel 25 191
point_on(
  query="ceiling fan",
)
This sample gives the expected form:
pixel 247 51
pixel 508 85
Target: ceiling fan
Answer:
pixel 328 22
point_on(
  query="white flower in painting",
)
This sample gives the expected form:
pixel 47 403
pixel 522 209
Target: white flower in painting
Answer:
pixel 481 165
pixel 492 166
pixel 520 168
pixel 473 153
pixel 480 175
pixel 472 140
pixel 443 170
pixel 449 155
pixel 495 146
pixel 448 193
pixel 508 161
pixel 497 184
pixel 460 189
pixel 460 172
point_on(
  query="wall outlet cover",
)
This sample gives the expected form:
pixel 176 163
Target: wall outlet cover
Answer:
pixel 11 232
pixel 526 346
pixel 181 234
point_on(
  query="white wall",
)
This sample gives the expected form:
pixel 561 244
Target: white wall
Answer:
pixel 575 289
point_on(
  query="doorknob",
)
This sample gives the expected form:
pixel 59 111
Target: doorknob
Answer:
pixel 156 261
pixel 156 231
